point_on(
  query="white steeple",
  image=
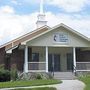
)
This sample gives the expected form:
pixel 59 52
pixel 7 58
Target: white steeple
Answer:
pixel 41 7
pixel 41 16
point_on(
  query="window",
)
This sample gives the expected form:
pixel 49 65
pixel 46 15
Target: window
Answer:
pixel 35 57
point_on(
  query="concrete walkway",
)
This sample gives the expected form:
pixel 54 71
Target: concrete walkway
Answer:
pixel 66 85
pixel 70 85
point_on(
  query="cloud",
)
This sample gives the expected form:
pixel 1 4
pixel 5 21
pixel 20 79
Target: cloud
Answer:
pixel 77 22
pixel 32 2
pixel 13 25
pixel 7 9
pixel 14 2
pixel 69 5
pixel 65 5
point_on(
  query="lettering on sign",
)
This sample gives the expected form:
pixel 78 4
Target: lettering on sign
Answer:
pixel 60 37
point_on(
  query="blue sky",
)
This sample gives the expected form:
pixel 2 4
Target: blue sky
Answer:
pixel 28 6
pixel 18 17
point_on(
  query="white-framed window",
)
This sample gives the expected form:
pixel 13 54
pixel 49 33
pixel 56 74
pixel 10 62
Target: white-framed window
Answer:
pixel 35 57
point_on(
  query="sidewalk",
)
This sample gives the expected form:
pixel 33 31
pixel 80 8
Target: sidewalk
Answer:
pixel 70 85
pixel 66 85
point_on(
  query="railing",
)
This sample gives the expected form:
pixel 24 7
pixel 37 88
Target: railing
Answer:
pixel 37 66
pixel 82 66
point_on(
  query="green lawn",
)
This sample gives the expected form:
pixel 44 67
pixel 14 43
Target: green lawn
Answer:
pixel 86 80
pixel 42 88
pixel 28 83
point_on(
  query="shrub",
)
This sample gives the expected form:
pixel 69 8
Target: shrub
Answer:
pixel 38 76
pixel 4 75
pixel 1 66
pixel 13 73
pixel 34 76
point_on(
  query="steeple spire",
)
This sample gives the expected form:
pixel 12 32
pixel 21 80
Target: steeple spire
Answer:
pixel 41 7
pixel 41 16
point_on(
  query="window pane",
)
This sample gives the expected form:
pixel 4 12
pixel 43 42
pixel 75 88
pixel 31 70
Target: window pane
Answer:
pixel 35 57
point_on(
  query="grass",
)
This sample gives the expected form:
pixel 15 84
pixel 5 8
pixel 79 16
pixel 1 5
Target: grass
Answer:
pixel 28 83
pixel 86 80
pixel 41 88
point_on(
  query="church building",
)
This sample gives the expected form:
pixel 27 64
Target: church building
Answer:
pixel 46 49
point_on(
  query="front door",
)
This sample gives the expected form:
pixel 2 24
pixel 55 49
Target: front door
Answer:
pixel 54 62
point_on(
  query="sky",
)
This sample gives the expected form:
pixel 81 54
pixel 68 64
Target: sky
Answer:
pixel 18 17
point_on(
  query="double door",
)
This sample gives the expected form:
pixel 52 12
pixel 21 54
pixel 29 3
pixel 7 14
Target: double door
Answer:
pixel 54 62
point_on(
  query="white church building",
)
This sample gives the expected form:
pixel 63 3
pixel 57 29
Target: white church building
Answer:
pixel 46 49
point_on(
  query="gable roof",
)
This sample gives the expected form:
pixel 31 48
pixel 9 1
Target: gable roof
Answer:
pixel 72 30
pixel 61 25
pixel 38 32
pixel 27 36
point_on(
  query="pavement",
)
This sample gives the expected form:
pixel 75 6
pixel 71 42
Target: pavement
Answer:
pixel 65 85
pixel 70 85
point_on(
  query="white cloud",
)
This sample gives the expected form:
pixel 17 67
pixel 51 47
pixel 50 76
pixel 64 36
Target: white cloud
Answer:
pixel 14 2
pixel 31 1
pixel 13 25
pixel 66 5
pixel 69 5
pixel 7 10
pixel 78 22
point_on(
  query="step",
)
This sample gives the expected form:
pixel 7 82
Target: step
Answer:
pixel 64 75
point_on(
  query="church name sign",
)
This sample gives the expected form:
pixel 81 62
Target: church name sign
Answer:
pixel 60 37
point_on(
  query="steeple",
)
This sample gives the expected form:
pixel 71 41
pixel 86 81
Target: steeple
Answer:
pixel 41 7
pixel 41 16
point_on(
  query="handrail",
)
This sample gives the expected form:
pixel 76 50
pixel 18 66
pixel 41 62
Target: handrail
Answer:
pixel 82 62
pixel 36 65
pixel 83 66
pixel 36 62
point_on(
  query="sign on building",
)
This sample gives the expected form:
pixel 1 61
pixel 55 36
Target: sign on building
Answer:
pixel 60 37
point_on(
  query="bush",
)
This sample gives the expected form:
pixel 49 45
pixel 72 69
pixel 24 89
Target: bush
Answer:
pixel 38 76
pixel 34 76
pixel 4 75
pixel 13 73
pixel 1 66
